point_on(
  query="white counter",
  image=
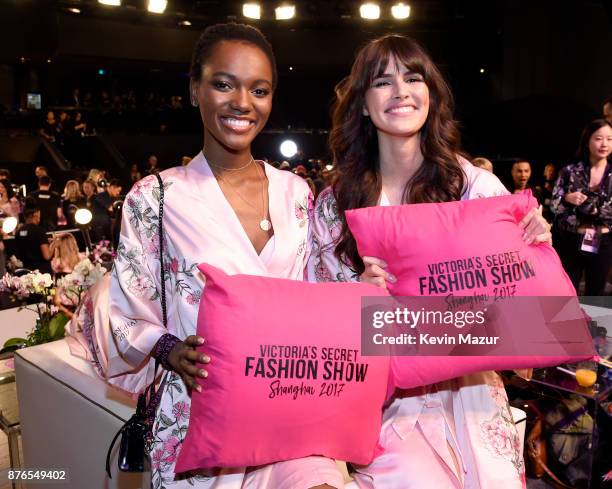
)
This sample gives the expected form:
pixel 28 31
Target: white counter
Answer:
pixel 69 417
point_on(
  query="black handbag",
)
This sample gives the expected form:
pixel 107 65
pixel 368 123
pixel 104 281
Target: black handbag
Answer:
pixel 136 434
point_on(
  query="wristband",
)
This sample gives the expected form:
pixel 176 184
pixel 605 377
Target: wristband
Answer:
pixel 162 349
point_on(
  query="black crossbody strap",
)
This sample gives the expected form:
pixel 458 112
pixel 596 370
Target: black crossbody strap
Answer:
pixel 161 250
pixel 149 399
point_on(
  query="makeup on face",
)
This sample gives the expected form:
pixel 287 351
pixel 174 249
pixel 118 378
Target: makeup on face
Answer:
pixel 235 93
pixel 398 100
pixel 600 143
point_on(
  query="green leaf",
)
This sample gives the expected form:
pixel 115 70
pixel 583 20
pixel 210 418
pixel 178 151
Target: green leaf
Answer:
pixel 14 342
pixel 56 326
pixel 165 420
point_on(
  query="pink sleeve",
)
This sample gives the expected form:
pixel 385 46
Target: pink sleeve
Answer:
pixel 325 228
pixel 134 303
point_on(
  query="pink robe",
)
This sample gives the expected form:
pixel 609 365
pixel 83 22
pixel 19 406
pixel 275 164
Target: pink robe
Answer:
pixel 423 428
pixel 199 226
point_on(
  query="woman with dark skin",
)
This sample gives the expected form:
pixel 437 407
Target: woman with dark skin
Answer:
pixel 225 208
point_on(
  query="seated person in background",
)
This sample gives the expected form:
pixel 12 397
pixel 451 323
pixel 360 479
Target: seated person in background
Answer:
pixel 9 205
pixel 49 203
pixel 135 174
pixel 521 173
pixel 483 163
pixel 32 243
pixel 96 176
pixel 65 252
pixel 50 127
pixel 89 192
pixel 103 209
pixel 152 165
pixel 78 126
pixel 71 198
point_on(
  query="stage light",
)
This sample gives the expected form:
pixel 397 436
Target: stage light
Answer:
pixel 400 11
pixel 48 60
pixel 83 216
pixel 288 148
pixel 291 68
pixel 185 23
pixel 9 224
pixel 329 167
pixel 251 10
pixel 101 72
pixel 112 3
pixel 482 70
pixel 157 6
pixel 284 12
pixel 74 10
pixel 370 11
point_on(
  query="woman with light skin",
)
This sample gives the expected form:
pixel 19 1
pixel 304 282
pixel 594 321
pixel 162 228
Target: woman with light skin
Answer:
pixel 72 199
pixel 394 141
pixel 65 252
pixel 582 204
pixel 225 208
pixel 483 163
pixel 9 205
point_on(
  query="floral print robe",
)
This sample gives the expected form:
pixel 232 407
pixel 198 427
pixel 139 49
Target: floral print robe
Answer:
pixel 199 226
pixel 469 415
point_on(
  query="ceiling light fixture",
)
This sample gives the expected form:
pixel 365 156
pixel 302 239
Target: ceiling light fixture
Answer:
pixel 157 6
pixel 400 11
pixel 284 12
pixel 370 11
pixel 251 10
pixel 112 3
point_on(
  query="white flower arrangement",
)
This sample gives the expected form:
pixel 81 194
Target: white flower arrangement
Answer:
pixel 84 275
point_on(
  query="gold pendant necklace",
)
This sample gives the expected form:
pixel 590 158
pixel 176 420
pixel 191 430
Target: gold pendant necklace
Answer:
pixel 264 223
pixel 231 169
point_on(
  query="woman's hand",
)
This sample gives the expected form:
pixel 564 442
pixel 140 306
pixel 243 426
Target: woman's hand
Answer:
pixel 184 360
pixel 575 198
pixel 375 273
pixel 537 230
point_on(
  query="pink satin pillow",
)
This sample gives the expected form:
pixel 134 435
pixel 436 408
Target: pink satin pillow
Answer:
pixel 287 379
pixel 462 249
pixel 424 243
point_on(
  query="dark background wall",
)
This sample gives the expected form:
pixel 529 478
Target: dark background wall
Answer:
pixel 547 64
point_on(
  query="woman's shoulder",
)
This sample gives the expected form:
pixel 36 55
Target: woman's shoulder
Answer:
pixel 479 182
pixel 326 210
pixel 290 180
pixel 326 198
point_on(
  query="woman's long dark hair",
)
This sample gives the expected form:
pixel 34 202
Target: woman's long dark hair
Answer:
pixel 583 153
pixel 354 142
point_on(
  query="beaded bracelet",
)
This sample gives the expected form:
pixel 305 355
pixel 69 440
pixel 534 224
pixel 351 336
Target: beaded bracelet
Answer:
pixel 162 349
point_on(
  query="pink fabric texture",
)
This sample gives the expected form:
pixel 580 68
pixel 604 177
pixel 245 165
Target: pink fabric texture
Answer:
pixel 423 242
pixel 284 382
